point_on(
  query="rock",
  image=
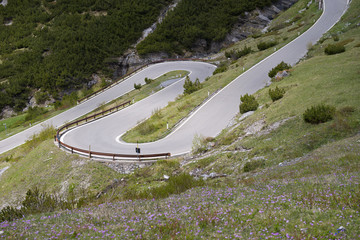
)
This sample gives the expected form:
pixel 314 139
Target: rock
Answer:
pixel 7 112
pixel 94 80
pixel 212 175
pixel 281 75
pixel 341 229
pixel 210 145
pixel 255 127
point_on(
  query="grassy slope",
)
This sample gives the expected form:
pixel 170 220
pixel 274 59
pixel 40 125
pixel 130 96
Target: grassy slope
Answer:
pixel 52 170
pixel 310 195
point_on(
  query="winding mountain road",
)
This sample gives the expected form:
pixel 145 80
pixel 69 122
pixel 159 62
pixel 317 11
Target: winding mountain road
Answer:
pixel 104 135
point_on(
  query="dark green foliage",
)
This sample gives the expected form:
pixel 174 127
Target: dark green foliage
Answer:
pixel 62 44
pixel 34 112
pixel 148 80
pixel 137 86
pixel 276 94
pixel 248 103
pixel 209 20
pixel 35 202
pixel 190 87
pixel 332 49
pixel 238 54
pixel 10 213
pixel 251 166
pixel 220 69
pixel 319 114
pixel 280 67
pixel 41 97
pixel 265 45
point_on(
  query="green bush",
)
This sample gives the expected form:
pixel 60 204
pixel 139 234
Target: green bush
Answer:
pixel 190 87
pixel 41 97
pixel 265 45
pixel 176 185
pixel 238 54
pixel 35 202
pixel 220 69
pixel 319 114
pixel 148 80
pixel 280 67
pixel 276 94
pixel 332 49
pixel 248 103
pixel 137 86
pixel 251 166
pixel 34 112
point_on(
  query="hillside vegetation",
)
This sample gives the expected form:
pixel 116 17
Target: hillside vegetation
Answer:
pixel 190 21
pixel 270 175
pixel 56 45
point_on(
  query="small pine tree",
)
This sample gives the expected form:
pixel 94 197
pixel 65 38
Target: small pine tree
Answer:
pixel 137 86
pixel 276 94
pixel 248 103
pixel 190 87
pixel 319 114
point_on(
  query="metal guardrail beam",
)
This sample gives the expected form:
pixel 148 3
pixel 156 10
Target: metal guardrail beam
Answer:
pixel 101 154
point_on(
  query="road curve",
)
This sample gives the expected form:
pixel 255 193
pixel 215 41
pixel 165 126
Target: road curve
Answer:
pixel 103 135
pixel 207 121
pixel 197 70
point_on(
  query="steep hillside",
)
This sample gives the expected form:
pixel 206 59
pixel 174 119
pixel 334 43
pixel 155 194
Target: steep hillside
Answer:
pixel 56 45
pixel 48 49
pixel 270 175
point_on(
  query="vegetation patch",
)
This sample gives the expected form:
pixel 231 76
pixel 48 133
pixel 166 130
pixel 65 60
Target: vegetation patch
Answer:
pixel 248 103
pixel 319 114
pixel 276 94
pixel 265 45
pixel 190 87
pixel 332 49
pixel 280 67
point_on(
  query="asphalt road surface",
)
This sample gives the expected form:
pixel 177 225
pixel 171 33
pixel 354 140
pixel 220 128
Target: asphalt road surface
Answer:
pixel 103 135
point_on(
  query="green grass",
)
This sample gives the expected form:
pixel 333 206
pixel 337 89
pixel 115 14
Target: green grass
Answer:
pixel 18 123
pixel 308 199
pixel 39 163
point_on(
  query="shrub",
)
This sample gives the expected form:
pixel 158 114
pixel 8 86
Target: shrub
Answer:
pixel 248 103
pixel 265 45
pixel 148 80
pixel 35 202
pixel 137 86
pixel 332 49
pixel 190 87
pixel 34 112
pixel 251 166
pixel 319 114
pixel 276 94
pixel 280 67
pixel 220 69
pixel 41 97
pixel 238 54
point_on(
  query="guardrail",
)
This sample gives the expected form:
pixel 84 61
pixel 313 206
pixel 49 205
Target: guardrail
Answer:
pixel 114 156
pixel 126 76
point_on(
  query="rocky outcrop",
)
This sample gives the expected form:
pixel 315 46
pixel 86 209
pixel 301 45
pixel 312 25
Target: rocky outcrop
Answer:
pixel 247 24
pixel 250 23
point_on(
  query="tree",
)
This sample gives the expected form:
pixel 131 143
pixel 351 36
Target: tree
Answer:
pixel 190 87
